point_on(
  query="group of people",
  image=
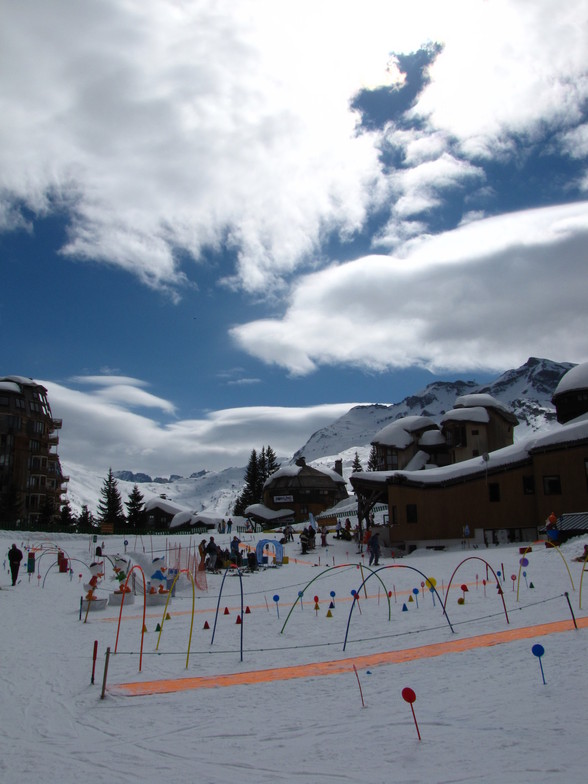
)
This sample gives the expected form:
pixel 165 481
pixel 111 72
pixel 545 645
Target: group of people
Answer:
pixel 212 555
pixel 225 527
pixel 307 539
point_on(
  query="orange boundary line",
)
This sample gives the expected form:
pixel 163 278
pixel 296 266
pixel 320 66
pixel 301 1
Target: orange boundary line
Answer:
pixel 343 665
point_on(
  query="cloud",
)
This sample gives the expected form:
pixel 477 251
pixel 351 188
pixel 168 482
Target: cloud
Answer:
pixel 486 295
pixel 100 430
pixel 124 390
pixel 165 129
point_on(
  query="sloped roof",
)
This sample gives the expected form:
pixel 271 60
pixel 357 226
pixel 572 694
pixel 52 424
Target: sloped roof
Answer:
pixel 575 378
pixel 398 434
pixel 573 521
pixel 263 511
pixel 466 414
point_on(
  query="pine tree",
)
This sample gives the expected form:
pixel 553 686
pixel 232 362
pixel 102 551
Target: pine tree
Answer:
pixel 85 520
pixel 136 510
pixel 251 491
pixel 272 461
pixel 67 520
pixel 356 466
pixel 110 508
pixel 259 468
pixel 46 520
pixel 373 459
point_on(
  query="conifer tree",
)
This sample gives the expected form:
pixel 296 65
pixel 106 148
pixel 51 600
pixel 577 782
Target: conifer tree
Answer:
pixel 373 459
pixel 85 520
pixel 67 519
pixel 259 468
pixel 272 464
pixel 136 510
pixel 251 491
pixel 110 508
pixel 356 466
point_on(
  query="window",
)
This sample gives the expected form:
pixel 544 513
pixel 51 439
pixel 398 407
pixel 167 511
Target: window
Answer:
pixel 552 485
pixel 493 492
pixel 411 513
pixel 391 459
pixel 529 485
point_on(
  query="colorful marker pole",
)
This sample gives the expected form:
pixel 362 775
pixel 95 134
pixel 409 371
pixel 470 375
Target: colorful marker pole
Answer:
pixel 359 684
pixel 538 651
pixel 409 696
pixel 276 599
pixel 300 595
pixel 95 653
pixel 415 592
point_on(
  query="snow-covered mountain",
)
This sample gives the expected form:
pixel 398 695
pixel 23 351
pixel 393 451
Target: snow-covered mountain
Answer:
pixel 527 391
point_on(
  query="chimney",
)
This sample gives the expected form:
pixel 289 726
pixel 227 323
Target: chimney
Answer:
pixel 339 467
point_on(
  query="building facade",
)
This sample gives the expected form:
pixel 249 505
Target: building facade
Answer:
pixel 499 495
pixel 31 480
pixel 293 493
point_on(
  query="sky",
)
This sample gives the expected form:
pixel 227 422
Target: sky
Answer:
pixel 223 224
pixel 296 710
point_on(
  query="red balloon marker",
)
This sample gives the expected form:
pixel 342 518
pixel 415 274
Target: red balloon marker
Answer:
pixel 409 696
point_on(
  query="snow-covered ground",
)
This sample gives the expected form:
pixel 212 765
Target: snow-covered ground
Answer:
pixel 484 714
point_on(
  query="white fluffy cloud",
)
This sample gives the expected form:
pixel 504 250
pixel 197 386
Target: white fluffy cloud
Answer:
pixel 105 426
pixel 486 295
pixel 164 127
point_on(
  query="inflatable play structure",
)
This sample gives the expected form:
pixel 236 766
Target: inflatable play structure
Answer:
pixel 265 545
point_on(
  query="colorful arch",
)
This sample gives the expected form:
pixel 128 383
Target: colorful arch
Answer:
pixel 131 570
pixel 190 575
pixel 396 566
pixel 477 558
pixel 330 569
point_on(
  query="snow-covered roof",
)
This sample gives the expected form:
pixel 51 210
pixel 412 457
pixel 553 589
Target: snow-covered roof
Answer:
pixel 480 399
pixel 398 434
pixel 576 378
pixel 473 414
pixel 418 461
pixel 576 430
pixel 9 386
pixel 166 506
pixel 432 438
pixel 294 470
pixel 261 510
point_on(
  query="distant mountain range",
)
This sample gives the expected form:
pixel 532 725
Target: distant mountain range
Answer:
pixel 527 391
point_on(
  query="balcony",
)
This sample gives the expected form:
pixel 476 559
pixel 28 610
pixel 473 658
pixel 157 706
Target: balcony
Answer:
pixel 56 424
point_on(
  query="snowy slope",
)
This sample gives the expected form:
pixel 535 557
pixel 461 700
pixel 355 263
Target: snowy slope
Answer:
pixel 484 714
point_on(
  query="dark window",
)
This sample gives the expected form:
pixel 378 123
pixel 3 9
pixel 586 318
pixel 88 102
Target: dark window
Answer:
pixel 586 471
pixel 529 485
pixel 552 485
pixel 411 513
pixel 494 492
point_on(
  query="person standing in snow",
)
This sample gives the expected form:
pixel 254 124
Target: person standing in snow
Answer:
pixel 338 527
pixel 14 557
pixel 212 552
pixel 304 540
pixel 374 548
pixel 235 552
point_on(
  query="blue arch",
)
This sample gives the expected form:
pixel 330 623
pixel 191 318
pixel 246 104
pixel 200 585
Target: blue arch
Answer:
pixel 279 550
